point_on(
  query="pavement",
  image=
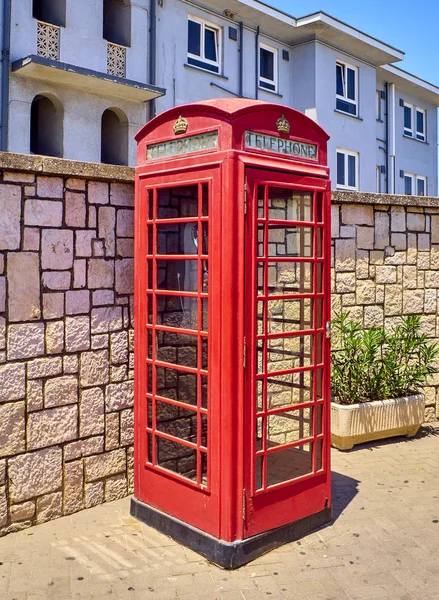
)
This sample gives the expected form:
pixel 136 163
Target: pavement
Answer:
pixel 383 543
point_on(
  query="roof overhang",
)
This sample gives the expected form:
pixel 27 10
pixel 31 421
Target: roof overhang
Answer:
pixel 95 82
pixel 410 83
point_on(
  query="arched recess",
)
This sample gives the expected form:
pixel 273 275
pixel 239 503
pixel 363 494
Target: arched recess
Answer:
pixel 114 137
pixel 117 22
pixel 50 11
pixel 46 126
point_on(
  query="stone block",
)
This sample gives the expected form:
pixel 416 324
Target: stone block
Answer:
pixel 107 229
pixel 2 294
pixel 52 426
pixel 60 391
pixel 362 264
pixel 119 396
pixel 345 283
pixel 413 302
pixel 119 347
pixel 435 229
pixel 432 279
pixel 423 260
pixel 385 274
pixel 373 316
pixel 125 223
pixel 12 382
pixel 98 248
pixel 98 192
pixel 397 218
pixel 57 249
pixel 100 273
pixel 3 506
pixel 365 238
pixel 43 213
pixel 415 222
pixel 34 473
pixel 111 431
pixel 125 276
pixel 121 194
pixel 335 221
pixel 31 238
pixel 127 426
pixel 44 367
pixel 98 342
pixel 103 298
pixel 53 305
pixel 70 363
pixel 34 397
pixel 13 177
pixel 75 184
pixel 54 337
pixel 82 448
pixel 10 210
pixel 94 368
pixel 2 333
pixel 423 242
pixel 91 412
pixel 75 210
pixel 348 231
pixel 396 258
pixel 73 487
pixel 106 319
pixel 22 512
pixel 49 507
pixel 77 333
pixel 25 340
pixel 376 257
pixel 23 286
pixel 50 187
pixel 125 247
pixel 409 277
pixel 382 227
pixel 79 273
pixel 399 241
pixel 56 280
pixel 428 325
pixel 393 300
pixel 365 292
pixel 105 465
pixel 12 428
pixel 77 302
pixel 115 488
pixel 345 255
pixel 118 374
pixel 430 301
pixel 130 469
pixel 83 242
pixel 357 214
pixel 92 217
pixel 94 494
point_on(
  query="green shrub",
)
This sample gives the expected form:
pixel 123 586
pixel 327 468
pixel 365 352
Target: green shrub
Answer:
pixel 374 364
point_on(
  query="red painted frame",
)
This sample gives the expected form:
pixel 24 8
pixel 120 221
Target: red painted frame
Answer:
pixel 226 507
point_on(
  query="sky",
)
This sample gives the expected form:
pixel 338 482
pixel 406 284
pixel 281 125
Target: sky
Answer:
pixel 408 25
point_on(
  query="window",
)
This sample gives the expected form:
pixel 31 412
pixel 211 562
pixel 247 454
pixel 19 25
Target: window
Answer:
pixel 116 20
pixel 414 122
pixel 50 11
pixel 346 88
pixel 267 67
pixel 347 169
pixel 203 45
pixel 379 105
pixel 415 185
pixel 46 126
pixel 114 137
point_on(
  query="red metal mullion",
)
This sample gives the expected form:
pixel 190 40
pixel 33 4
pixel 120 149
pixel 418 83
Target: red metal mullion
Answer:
pixel 287 223
pixel 265 346
pixel 291 334
pixel 285 372
pixel 288 408
pixel 288 296
pixel 154 323
pixel 199 327
pixel 288 259
pixel 177 440
pixel 193 370
pixel 278 486
pixel 316 337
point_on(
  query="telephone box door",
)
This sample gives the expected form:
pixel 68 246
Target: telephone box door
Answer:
pixel 287 371
pixel 177 442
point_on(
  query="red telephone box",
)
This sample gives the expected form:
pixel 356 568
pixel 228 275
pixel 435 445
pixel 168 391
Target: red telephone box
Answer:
pixel 232 299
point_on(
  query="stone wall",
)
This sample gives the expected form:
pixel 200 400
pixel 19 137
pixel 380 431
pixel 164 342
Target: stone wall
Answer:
pixel 66 353
pixel 385 259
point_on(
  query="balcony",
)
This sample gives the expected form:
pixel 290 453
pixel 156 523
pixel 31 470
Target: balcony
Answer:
pixel 48 40
pixel 116 59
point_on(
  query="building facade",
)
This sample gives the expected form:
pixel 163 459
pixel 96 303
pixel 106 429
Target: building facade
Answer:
pixel 84 76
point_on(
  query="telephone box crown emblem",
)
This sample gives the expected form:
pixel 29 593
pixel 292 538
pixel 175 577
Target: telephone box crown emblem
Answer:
pixel 283 125
pixel 180 125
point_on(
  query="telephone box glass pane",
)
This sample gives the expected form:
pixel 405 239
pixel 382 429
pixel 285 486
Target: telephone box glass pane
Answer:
pixel 177 311
pixel 177 458
pixel 289 389
pixel 289 426
pixel 290 315
pixel 289 463
pixel 290 205
pixel 177 203
pixel 290 278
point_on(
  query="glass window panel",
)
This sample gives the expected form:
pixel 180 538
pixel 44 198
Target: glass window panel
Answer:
pixel 346 106
pixel 150 205
pixel 259 466
pixel 205 199
pixel 177 311
pixel 290 241
pixel 352 175
pixel 290 315
pixel 260 318
pixel 319 242
pixel 177 458
pixel 340 168
pixel 149 386
pixel 178 202
pixel 319 383
pixel 261 201
pixel 177 348
pixel 289 205
pixel 194 37
pixel 149 335
pixel 259 433
pixel 149 414
pixel 205 353
pixel 260 357
pixel 149 275
pixel 204 432
pixel 339 78
pixel 351 84
pixel 289 278
pixel 289 463
pixel 259 394
pixel 261 237
pixel 204 390
pixel 290 353
pixel 260 279
pixel 210 44
pixel 318 312
pixel 407 117
pixel 419 121
pixel 267 64
pixel 319 349
pixel 290 389
pixel 407 185
pixel 319 277
pixel 149 447
pixel 177 275
pixel 205 315
pixel 319 455
pixel 290 426
pixel 319 419
pixel 178 238
pixel 176 421
pixel 421 187
pixel 177 385
pixel 204 472
pixel 319 203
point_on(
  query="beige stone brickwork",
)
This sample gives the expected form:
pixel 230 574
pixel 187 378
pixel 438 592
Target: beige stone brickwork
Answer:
pixel 66 389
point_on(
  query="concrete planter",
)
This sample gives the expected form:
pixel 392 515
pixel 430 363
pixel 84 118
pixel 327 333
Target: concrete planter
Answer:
pixel 358 423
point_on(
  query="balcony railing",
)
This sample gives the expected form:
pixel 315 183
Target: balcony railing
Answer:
pixel 48 40
pixel 116 59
